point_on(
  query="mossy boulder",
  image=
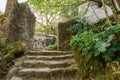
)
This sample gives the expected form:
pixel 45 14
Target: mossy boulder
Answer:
pixel 8 55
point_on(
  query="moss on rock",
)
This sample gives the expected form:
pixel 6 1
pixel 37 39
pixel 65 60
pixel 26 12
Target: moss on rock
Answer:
pixel 95 70
pixel 9 53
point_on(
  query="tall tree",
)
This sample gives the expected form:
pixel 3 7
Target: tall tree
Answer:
pixel 52 9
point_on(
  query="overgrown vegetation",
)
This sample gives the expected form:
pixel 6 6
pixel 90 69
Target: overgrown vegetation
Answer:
pixel 79 27
pixel 8 54
pixel 103 45
pixel 95 49
pixel 51 47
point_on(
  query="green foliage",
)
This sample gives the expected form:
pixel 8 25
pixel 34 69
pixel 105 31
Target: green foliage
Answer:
pixel 52 11
pixel 7 54
pixel 102 46
pixel 15 49
pixel 101 78
pixel 78 27
pixel 54 6
pixel 95 53
pixel 51 47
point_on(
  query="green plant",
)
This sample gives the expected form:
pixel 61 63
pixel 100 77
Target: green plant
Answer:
pixel 94 50
pixel 102 46
pixel 14 48
pixel 51 47
pixel 7 54
pixel 79 27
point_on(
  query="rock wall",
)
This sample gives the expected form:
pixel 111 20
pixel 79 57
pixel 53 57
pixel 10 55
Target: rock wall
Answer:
pixel 4 29
pixel 64 35
pixel 20 23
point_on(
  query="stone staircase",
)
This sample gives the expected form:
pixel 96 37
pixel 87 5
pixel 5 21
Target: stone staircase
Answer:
pixel 48 65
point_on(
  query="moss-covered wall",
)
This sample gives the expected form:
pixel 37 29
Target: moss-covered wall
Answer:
pixel 64 35
pixel 8 54
pixel 94 69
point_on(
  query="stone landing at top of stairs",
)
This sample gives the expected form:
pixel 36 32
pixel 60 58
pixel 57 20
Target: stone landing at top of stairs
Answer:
pixel 48 65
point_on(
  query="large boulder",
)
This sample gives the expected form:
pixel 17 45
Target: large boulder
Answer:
pixel 20 23
pixel 92 12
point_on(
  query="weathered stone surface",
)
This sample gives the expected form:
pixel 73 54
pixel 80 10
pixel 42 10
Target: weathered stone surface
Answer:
pixel 15 78
pixel 11 6
pixel 56 69
pixel 4 27
pixel 92 13
pixel 20 24
pixel 48 58
pixel 63 35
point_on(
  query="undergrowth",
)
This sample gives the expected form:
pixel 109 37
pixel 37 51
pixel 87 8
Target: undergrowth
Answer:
pixel 97 52
pixel 51 47
pixel 8 53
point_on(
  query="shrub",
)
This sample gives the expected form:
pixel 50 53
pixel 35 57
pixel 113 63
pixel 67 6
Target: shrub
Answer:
pixel 102 44
pixel 79 27
pixel 95 50
pixel 8 54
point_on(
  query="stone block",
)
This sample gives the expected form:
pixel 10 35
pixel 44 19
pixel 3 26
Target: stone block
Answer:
pixel 20 23
pixel 64 35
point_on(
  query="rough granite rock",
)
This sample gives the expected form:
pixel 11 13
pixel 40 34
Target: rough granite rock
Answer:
pixel 92 13
pixel 15 78
pixel 20 23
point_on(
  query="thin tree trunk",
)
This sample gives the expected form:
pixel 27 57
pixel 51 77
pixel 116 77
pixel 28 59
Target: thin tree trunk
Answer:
pixel 114 11
pixel 107 16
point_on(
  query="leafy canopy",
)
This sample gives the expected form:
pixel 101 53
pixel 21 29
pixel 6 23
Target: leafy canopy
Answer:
pixel 52 7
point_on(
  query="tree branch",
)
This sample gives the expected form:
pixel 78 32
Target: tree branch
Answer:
pixel 105 9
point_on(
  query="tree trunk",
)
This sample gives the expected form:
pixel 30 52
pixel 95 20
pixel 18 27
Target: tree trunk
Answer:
pixel 107 16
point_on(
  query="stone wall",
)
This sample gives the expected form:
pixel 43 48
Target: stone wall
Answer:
pixel 64 35
pixel 20 23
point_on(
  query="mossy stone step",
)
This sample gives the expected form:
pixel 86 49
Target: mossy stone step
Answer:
pixel 49 53
pixel 48 58
pixel 47 72
pixel 50 64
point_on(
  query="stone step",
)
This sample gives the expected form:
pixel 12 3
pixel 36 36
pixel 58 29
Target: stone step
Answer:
pixel 48 53
pixel 47 72
pixel 48 58
pixel 50 64
pixel 50 78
